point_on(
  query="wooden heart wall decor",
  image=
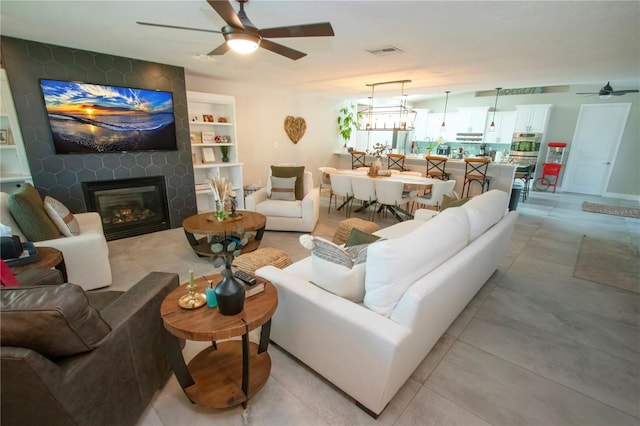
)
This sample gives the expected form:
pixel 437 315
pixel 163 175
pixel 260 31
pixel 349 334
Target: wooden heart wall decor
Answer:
pixel 295 128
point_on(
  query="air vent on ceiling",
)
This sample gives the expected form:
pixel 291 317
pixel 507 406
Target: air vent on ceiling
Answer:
pixel 386 50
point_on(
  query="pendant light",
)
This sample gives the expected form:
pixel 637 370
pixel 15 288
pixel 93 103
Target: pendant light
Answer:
pixel 444 127
pixel 492 126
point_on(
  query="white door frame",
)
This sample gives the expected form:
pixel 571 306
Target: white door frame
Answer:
pixel 610 156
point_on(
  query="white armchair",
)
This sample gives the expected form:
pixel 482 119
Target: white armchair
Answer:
pixel 299 215
pixel 86 256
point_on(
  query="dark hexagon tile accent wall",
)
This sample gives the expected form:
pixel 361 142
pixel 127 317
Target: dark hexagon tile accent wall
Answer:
pixel 61 176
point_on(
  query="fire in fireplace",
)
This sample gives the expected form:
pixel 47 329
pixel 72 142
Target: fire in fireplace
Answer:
pixel 129 207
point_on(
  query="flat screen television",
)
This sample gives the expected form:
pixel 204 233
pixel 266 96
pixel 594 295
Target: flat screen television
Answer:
pixel 90 118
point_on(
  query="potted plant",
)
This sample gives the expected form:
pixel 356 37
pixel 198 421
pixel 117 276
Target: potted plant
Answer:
pixel 229 291
pixel 347 121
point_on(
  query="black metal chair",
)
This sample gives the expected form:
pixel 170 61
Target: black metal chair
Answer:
pixel 476 171
pixel 395 162
pixel 357 159
pixel 436 167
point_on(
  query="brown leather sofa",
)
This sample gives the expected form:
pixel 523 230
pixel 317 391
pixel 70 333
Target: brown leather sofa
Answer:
pixel 70 357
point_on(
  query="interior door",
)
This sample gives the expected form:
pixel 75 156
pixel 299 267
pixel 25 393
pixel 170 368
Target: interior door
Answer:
pixel 595 144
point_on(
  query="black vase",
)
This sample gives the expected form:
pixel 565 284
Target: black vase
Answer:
pixel 229 294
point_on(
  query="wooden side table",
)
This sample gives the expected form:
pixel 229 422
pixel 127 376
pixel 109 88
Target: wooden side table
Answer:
pixel 226 373
pixel 49 258
pixel 204 224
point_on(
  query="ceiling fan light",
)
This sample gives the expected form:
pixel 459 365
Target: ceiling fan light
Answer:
pixel 242 42
pixel 605 96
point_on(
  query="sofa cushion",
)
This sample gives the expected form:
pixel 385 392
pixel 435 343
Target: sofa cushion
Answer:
pixel 27 209
pixel 278 208
pixel 60 215
pixel 485 210
pixel 291 171
pixel 394 265
pixel 283 189
pixel 336 269
pixel 55 321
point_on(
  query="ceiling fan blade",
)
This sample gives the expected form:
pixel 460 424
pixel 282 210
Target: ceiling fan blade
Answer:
pixel 226 12
pixel 177 27
pixel 220 50
pixel 320 29
pixel 282 50
pixel 587 93
pixel 624 92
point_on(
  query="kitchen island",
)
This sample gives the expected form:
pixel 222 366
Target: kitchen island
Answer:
pixel 502 174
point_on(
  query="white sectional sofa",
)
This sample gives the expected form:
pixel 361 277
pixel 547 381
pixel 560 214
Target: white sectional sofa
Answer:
pixel 418 279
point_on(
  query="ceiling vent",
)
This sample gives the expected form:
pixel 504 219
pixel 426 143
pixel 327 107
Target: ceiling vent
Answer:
pixel 386 50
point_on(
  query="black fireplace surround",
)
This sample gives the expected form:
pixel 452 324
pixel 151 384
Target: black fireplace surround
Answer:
pixel 129 207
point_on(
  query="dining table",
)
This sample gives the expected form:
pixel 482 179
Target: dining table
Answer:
pixel 412 181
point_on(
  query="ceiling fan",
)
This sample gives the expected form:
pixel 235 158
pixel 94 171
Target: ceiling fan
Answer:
pixel 608 91
pixel 242 36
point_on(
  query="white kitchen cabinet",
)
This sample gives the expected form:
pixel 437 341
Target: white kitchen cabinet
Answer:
pixel 532 118
pixel 472 120
pixel 434 126
pixel 14 167
pixel 212 129
pixel 505 122
pixel 421 124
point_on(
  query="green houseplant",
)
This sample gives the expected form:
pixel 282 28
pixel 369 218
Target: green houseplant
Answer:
pixel 347 121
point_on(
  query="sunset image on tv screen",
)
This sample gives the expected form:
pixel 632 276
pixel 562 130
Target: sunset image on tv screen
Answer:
pixel 96 118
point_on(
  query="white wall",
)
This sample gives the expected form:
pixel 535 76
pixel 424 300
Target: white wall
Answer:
pixel 260 115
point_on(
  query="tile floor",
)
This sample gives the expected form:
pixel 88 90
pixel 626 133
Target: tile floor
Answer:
pixel 534 347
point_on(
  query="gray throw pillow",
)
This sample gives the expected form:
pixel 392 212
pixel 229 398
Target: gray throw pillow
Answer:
pixel 283 189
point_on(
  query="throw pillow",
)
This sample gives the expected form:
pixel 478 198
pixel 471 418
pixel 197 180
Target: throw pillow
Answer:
pixel 358 237
pixel 27 209
pixel 336 269
pixel 293 171
pixel 60 215
pixel 283 188
pixel 452 202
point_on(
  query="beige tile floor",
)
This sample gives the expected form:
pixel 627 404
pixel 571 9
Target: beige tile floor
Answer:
pixel 534 347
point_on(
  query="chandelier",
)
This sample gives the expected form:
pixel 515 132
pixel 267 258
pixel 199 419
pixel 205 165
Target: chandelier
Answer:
pixel 388 117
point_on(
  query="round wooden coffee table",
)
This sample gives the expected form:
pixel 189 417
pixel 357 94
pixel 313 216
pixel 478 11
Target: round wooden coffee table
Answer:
pixel 206 223
pixel 49 258
pixel 228 373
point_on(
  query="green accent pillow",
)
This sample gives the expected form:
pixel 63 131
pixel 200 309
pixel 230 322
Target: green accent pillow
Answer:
pixel 294 171
pixel 452 202
pixel 358 237
pixel 27 209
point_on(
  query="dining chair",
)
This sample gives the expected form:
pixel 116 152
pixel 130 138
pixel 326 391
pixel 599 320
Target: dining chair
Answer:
pixel 358 159
pixel 436 167
pixel 325 180
pixel 395 161
pixel 341 187
pixel 476 171
pixel 434 198
pixel 364 190
pixel 389 194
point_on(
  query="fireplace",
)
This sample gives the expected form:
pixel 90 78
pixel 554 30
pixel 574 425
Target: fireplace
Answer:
pixel 129 207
